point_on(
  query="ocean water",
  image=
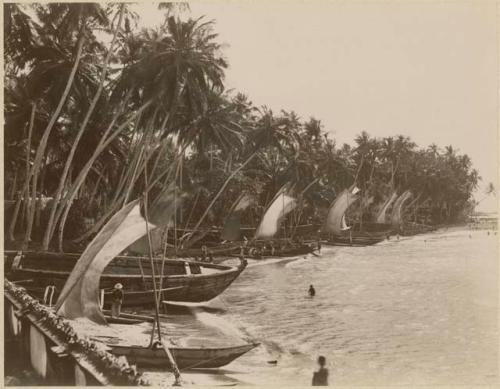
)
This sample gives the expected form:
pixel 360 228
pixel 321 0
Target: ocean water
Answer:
pixel 419 311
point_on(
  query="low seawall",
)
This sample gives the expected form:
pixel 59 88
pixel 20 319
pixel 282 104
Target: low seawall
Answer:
pixel 36 337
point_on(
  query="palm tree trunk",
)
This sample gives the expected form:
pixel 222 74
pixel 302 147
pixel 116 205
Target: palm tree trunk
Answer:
pixel 186 226
pixel 359 169
pixel 132 159
pixel 96 188
pixel 39 202
pixel 25 191
pixel 83 174
pixel 99 223
pixel 114 205
pixel 181 163
pixel 222 189
pixel 50 231
pixel 43 142
pixel 62 181
pixel 13 185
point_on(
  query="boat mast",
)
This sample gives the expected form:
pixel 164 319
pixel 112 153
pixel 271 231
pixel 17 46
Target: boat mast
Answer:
pixel 170 357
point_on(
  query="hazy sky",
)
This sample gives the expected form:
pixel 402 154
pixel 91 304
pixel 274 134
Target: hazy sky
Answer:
pixel 422 69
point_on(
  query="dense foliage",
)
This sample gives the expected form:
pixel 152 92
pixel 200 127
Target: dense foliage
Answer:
pixel 97 111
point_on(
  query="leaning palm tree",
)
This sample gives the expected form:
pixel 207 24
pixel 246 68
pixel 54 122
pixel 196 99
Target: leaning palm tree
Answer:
pixel 62 25
pixel 62 182
pixel 171 68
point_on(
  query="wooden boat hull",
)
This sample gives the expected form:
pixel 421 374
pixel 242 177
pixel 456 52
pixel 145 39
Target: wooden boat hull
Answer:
pixel 409 229
pixel 267 252
pixel 357 238
pixel 366 234
pixel 186 281
pixel 276 248
pixel 356 241
pixel 186 358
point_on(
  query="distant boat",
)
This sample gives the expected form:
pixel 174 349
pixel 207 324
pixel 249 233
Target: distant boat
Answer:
pixel 401 227
pixel 397 211
pixel 338 233
pixel 264 244
pixel 382 214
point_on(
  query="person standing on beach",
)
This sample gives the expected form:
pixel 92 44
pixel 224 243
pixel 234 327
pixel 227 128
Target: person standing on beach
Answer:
pixel 117 300
pixel 320 377
pixel 312 291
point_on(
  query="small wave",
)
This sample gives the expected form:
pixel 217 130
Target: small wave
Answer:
pixel 226 327
pixel 271 261
pixel 299 262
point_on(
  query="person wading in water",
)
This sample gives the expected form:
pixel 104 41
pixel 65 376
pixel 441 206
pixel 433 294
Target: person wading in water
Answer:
pixel 117 298
pixel 320 377
pixel 312 291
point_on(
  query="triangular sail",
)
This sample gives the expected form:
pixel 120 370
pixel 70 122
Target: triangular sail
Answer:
pixel 381 216
pixel 80 294
pixel 396 218
pixel 335 221
pixel 281 205
pixel 232 226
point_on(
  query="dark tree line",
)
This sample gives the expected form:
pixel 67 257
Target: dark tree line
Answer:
pixel 97 111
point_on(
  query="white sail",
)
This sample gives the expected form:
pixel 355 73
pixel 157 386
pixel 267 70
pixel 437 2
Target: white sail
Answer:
pixel 281 205
pixel 80 294
pixel 381 216
pixel 232 226
pixel 335 221
pixel 396 217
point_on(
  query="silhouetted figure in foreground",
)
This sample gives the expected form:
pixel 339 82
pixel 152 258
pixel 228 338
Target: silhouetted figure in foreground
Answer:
pixel 320 377
pixel 312 291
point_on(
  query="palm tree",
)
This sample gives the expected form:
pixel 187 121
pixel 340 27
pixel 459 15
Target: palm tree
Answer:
pixel 20 36
pixel 61 22
pixel 57 198
pixel 171 68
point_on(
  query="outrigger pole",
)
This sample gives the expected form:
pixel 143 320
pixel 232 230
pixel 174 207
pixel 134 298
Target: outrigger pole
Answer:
pixel 170 357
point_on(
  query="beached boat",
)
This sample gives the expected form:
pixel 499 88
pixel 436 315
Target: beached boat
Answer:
pixel 261 249
pixel 79 299
pixel 357 237
pixel 411 228
pixel 185 357
pixel 336 231
pixel 265 243
pixel 181 280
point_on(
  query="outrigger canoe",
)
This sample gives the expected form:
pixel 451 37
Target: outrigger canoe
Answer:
pixel 372 233
pixel 185 357
pixel 181 280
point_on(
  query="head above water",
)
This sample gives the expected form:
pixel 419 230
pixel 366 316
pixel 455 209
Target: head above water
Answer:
pixel 321 360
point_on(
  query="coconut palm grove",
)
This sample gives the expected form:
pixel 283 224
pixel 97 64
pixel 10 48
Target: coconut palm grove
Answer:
pixel 159 225
pixel 92 105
